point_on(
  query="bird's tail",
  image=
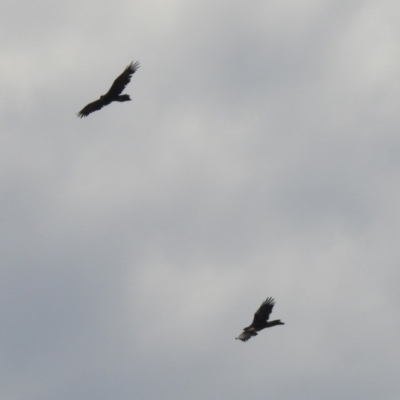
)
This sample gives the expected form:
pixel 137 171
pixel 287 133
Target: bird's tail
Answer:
pixel 123 97
pixel 276 322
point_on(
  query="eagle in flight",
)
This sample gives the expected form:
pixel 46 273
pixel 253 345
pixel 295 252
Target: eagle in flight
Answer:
pixel 114 94
pixel 260 320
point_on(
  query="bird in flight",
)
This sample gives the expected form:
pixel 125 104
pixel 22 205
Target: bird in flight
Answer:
pixel 114 94
pixel 260 320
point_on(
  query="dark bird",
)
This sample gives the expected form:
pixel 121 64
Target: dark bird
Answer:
pixel 260 320
pixel 114 94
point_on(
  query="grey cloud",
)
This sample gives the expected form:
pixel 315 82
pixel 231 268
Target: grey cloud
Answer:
pixel 259 156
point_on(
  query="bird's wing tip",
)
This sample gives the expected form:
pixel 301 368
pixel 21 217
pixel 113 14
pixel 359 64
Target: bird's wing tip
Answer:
pixel 133 66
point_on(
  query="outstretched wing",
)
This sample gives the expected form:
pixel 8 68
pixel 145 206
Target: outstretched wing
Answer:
pixel 245 336
pixel 91 107
pixel 263 313
pixel 122 81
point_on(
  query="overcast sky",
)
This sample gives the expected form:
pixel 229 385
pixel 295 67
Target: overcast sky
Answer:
pixel 259 156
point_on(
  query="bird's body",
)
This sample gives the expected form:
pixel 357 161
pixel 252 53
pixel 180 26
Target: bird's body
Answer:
pixel 114 94
pixel 260 320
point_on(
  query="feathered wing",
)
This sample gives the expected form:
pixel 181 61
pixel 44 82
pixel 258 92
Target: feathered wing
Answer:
pixel 91 107
pixel 122 81
pixel 263 313
pixel 114 93
pixel 245 336
pixel 260 320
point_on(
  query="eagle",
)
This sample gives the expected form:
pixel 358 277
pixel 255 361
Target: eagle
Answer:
pixel 114 94
pixel 260 320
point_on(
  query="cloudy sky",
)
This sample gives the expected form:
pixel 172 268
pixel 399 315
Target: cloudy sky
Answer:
pixel 260 156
